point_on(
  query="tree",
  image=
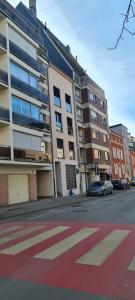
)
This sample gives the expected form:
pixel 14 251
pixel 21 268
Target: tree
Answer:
pixel 129 15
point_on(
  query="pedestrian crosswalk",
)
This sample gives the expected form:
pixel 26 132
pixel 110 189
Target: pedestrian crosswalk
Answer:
pixel 15 239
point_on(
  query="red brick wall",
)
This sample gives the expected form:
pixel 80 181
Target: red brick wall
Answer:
pixel 3 189
pixel 132 163
pixel 32 187
pixel 116 141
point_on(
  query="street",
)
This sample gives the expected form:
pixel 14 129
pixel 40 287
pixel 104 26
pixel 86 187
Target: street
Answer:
pixel 81 251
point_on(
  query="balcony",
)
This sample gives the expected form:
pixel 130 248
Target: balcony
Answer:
pixel 57 101
pixel 79 118
pixel 32 156
pixel 68 107
pixel 29 90
pixel 5 153
pixel 70 130
pixel 26 58
pixel 29 122
pixel 3 44
pixel 4 116
pixel 81 139
pixel 3 80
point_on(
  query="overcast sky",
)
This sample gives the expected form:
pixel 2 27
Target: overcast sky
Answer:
pixel 89 27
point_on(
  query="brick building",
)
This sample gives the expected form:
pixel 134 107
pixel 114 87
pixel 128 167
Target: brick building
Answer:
pixel 117 155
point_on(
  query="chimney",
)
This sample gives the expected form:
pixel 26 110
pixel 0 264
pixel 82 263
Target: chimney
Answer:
pixel 32 7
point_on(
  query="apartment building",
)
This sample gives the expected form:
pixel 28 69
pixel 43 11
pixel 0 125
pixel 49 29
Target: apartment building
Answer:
pixel 131 143
pixel 123 131
pixel 91 119
pixel 25 136
pixel 117 155
pixel 38 136
pixel 63 133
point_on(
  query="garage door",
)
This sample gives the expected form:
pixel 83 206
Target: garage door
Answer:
pixel 18 189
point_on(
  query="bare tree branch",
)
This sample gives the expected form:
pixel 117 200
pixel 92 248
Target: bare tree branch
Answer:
pixel 129 15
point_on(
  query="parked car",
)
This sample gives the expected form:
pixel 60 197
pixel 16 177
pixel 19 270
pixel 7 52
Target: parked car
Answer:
pixel 121 184
pixel 132 182
pixel 100 188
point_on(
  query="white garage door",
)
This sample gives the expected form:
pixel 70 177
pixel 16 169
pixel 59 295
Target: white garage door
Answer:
pixel 18 189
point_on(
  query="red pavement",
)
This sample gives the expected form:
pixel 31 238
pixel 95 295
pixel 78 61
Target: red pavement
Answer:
pixel 111 279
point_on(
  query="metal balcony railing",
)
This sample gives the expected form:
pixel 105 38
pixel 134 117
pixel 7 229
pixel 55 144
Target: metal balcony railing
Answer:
pixel 5 152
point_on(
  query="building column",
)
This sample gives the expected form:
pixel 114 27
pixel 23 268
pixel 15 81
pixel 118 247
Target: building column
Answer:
pixel 3 189
pixel 32 187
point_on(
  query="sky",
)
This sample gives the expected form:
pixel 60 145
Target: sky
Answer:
pixel 89 27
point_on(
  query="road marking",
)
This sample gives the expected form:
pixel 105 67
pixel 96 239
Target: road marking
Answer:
pixel 28 243
pixel 64 245
pixel 97 255
pixel 19 234
pixel 131 267
pixel 5 230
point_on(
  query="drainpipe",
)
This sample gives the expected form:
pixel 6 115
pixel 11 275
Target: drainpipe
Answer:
pixel 53 161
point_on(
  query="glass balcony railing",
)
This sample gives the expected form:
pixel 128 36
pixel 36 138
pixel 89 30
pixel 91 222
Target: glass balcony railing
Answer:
pixel 3 41
pixel 70 130
pixel 4 114
pixel 5 153
pixel 30 122
pixel 31 156
pixel 68 107
pixel 57 101
pixel 27 89
pixel 3 78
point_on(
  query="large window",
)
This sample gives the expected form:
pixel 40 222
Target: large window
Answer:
pixel 23 75
pixel 94 115
pixel 60 148
pixel 95 134
pixel 92 97
pixel 58 121
pixel 71 150
pixel 104 138
pixel 71 177
pixel 68 103
pixel 69 126
pixel 97 153
pixel 106 155
pixel 26 108
pixel 57 100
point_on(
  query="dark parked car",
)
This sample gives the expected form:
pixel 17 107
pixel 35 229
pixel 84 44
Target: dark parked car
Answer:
pixel 100 188
pixel 132 182
pixel 121 184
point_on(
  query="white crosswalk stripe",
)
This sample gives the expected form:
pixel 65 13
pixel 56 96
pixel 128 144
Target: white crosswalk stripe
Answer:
pixel 28 243
pixel 66 244
pixel 20 233
pixel 8 229
pixel 97 255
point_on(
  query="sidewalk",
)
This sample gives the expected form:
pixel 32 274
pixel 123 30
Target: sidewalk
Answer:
pixel 17 210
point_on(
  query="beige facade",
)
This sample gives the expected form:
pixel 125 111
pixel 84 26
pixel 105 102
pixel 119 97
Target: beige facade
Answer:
pixel 61 131
pixel 25 141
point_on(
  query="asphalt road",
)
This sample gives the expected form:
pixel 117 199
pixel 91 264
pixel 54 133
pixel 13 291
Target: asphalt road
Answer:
pixel 22 277
pixel 116 208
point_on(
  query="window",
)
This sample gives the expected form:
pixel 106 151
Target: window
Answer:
pixel 94 115
pixel 71 177
pixel 16 104
pixel 68 103
pixel 104 138
pixel 26 108
pixel 57 100
pixel 92 96
pixel 42 147
pixel 114 152
pixel 102 103
pixel 106 155
pixel 103 121
pixel 60 148
pixel 95 134
pixel 71 150
pixel 123 169
pixel 58 121
pixel 46 147
pixel 23 75
pixel 69 126
pixel 35 111
pixel 97 153
pixel 116 169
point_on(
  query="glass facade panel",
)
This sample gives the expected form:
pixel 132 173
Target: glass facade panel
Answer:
pixel 33 81
pixel 35 111
pixel 16 104
pixel 25 108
